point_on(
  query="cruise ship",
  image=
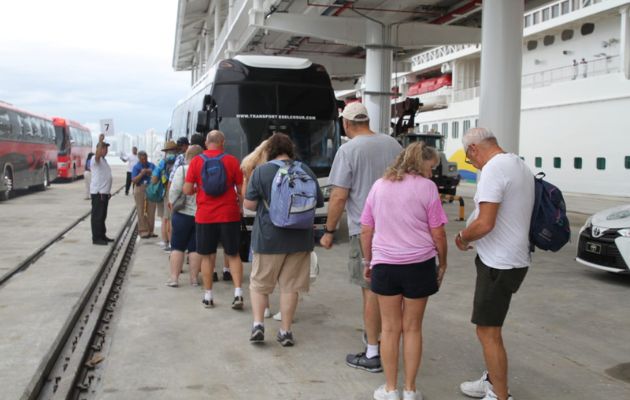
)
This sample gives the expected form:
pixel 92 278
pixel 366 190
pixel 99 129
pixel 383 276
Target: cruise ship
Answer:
pixel 575 94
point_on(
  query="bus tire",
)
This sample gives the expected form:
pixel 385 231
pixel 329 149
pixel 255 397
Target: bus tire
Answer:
pixel 7 175
pixel 46 181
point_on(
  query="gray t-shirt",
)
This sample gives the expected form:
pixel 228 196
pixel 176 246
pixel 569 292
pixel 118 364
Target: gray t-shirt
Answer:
pixel 357 165
pixel 266 237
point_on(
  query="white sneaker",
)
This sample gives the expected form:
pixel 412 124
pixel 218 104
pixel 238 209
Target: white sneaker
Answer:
pixel 382 394
pixel 492 396
pixel 412 395
pixel 267 313
pixel 478 388
pixel 278 316
pixel 161 243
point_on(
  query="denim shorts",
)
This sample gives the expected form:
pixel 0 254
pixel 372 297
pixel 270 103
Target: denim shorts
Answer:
pixel 183 235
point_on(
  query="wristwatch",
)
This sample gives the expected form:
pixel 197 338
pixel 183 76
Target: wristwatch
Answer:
pixel 326 230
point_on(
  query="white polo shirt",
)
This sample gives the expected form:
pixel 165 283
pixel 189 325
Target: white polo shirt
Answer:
pixel 101 177
pixel 505 179
pixel 132 160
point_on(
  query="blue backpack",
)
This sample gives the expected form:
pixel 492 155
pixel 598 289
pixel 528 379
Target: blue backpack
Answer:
pixel 155 191
pixel 213 175
pixel 293 197
pixel 549 228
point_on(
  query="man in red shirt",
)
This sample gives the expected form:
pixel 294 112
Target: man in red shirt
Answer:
pixel 218 218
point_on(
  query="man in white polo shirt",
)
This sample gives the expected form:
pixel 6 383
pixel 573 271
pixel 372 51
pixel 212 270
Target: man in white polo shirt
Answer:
pixel 100 192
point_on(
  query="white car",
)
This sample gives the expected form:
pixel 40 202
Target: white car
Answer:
pixel 605 241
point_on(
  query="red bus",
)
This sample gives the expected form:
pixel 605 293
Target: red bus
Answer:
pixel 74 142
pixel 28 155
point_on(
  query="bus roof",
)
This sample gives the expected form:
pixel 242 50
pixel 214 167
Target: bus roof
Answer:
pixel 9 106
pixel 274 62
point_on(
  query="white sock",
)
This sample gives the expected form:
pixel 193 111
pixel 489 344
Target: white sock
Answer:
pixel 283 332
pixel 256 323
pixel 208 295
pixel 226 269
pixel 238 292
pixel 372 350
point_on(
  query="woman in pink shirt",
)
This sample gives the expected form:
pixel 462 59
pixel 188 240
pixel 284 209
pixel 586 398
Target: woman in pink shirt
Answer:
pixel 402 232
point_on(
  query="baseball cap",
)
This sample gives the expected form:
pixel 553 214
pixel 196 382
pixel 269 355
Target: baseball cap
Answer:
pixel 183 141
pixel 355 112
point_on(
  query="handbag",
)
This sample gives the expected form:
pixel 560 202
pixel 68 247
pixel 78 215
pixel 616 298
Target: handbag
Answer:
pixel 244 243
pixel 180 201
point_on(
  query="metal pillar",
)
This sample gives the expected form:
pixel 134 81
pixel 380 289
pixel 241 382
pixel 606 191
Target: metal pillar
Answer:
pixel 501 69
pixel 217 20
pixel 624 45
pixel 378 73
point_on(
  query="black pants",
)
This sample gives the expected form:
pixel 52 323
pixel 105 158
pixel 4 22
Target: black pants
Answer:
pixel 99 214
pixel 128 183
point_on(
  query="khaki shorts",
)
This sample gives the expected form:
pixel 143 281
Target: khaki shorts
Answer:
pixel 289 270
pixel 355 266
pixel 159 206
pixel 167 211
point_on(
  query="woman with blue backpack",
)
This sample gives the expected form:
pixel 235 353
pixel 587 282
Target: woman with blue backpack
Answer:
pixel 284 193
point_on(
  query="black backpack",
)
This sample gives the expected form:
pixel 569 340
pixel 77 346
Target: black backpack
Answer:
pixel 549 228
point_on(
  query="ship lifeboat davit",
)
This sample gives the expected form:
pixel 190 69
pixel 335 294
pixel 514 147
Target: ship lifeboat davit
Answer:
pixel 433 92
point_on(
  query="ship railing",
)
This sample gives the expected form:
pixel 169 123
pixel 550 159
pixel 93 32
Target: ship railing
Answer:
pixel 603 65
pixel 466 94
pixel 555 10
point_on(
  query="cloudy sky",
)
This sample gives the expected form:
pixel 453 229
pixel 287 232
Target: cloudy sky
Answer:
pixel 89 60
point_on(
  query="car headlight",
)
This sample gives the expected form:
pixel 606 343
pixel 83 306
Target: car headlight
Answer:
pixel 587 225
pixel 624 232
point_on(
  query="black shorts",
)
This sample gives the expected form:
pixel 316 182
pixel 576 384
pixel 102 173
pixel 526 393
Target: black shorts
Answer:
pixel 413 281
pixel 209 235
pixel 493 292
pixel 183 235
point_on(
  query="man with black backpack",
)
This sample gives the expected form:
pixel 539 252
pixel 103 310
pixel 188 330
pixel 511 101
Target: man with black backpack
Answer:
pixel 499 227
pixel 216 178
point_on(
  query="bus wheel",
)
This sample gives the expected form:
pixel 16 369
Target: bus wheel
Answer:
pixel 46 181
pixel 8 184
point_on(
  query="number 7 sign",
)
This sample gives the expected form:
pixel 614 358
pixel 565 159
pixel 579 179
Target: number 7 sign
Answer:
pixel 107 127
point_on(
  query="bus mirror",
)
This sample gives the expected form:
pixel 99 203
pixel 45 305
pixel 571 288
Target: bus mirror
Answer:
pixel 203 122
pixel 208 102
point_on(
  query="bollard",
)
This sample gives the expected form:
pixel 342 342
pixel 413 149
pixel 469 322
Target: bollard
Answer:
pixel 450 198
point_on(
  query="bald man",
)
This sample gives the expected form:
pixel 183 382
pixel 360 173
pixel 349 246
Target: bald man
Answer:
pixel 218 216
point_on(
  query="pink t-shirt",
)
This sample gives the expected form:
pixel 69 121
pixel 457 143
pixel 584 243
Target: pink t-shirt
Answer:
pixel 402 214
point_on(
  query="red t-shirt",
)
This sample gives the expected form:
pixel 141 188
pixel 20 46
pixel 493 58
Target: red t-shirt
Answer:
pixel 223 208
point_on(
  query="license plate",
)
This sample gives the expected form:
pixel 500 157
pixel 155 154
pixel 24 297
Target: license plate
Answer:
pixel 593 248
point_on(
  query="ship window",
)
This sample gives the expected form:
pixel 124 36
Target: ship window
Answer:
pixel 434 127
pixel 565 7
pixel 545 14
pixel 567 34
pixel 425 128
pixel 627 162
pixel 538 162
pixel 476 122
pixel 455 129
pixel 601 163
pixel 528 20
pixel 548 40
pixel 577 163
pixel 531 45
pixel 587 28
pixel 535 17
pixel 466 126
pixel 445 129
pixel 557 162
pixel 555 11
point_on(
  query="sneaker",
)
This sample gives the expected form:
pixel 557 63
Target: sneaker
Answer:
pixel 412 395
pixel 492 396
pixel 162 244
pixel 382 394
pixel 227 276
pixel 278 316
pixel 208 303
pixel 258 334
pixel 215 277
pixel 237 304
pixel 285 340
pixel 171 284
pixel 167 249
pixel 267 313
pixel 478 388
pixel 361 361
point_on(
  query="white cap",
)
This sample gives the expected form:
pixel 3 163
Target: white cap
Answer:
pixel 355 112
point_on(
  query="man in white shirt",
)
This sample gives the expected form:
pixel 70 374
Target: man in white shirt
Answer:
pixel 131 160
pixel 100 192
pixel 500 229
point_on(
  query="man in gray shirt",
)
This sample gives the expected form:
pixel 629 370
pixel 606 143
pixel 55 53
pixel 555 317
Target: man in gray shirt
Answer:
pixel 357 165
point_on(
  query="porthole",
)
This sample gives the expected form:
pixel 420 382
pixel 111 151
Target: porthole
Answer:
pixel 577 163
pixel 538 162
pixel 587 28
pixel 531 45
pixel 557 162
pixel 548 40
pixel 601 163
pixel 566 34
